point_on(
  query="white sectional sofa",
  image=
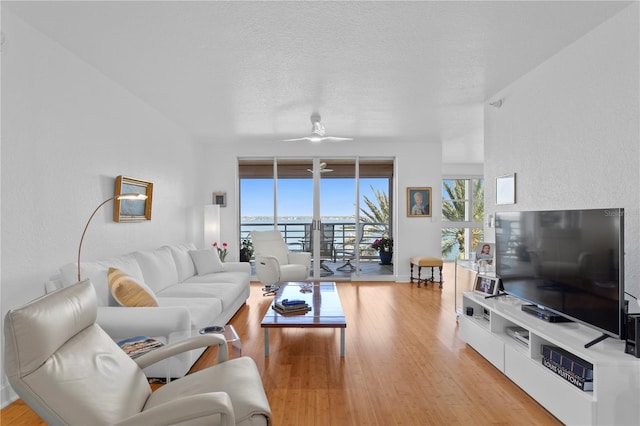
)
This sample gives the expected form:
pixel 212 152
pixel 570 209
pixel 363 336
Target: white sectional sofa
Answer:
pixel 190 296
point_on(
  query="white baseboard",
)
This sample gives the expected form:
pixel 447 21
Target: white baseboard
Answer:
pixel 7 395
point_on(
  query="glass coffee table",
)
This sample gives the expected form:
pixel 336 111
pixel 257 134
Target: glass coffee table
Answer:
pixel 326 310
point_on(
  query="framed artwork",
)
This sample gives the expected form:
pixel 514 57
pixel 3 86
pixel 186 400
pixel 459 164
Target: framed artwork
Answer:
pixel 132 210
pixel 220 198
pixel 506 189
pixel 485 252
pixel 486 285
pixel 419 201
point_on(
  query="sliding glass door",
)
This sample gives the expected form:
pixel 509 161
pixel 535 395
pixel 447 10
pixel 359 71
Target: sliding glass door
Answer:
pixel 332 207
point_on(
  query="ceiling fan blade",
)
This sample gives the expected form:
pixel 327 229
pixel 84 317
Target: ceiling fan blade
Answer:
pixel 335 139
pixel 321 170
pixel 298 139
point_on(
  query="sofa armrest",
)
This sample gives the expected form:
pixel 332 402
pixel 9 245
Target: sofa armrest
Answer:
pixel 237 267
pixel 123 322
pixel 191 343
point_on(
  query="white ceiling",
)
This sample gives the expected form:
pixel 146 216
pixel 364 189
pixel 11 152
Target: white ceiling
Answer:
pixel 396 71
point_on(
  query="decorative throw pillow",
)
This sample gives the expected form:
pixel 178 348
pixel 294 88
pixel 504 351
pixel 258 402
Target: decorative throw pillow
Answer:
pixel 206 261
pixel 129 292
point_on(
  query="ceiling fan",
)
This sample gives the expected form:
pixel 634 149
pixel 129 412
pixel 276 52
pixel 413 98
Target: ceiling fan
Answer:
pixel 323 168
pixel 317 133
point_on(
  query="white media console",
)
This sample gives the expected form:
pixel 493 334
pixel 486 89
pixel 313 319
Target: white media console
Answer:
pixel 615 399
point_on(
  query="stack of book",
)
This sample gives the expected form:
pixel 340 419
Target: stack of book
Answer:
pixel 573 369
pixel 287 306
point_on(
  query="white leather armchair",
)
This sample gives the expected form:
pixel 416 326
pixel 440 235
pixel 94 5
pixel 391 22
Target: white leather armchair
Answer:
pixel 69 371
pixel 275 264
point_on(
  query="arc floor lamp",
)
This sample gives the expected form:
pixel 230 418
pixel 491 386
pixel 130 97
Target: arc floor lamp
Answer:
pixel 132 196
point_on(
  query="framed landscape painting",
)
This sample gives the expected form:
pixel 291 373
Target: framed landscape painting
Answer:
pixel 132 210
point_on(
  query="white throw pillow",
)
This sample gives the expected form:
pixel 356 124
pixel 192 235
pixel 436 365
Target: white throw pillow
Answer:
pixel 97 272
pixel 206 261
pixel 158 268
pixel 184 262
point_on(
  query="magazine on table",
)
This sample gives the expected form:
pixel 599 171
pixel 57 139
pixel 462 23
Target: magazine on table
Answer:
pixel 139 345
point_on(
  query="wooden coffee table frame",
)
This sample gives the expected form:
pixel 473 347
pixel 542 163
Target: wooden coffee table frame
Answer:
pixel 326 311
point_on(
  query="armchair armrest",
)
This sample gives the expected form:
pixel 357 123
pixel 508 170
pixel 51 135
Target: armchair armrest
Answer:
pixel 123 322
pixel 300 258
pixel 268 269
pixel 185 409
pixel 191 343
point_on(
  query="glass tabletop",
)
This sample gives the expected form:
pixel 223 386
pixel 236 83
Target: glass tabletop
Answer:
pixel 323 299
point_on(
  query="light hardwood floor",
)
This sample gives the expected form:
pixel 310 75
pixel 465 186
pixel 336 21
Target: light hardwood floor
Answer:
pixel 404 365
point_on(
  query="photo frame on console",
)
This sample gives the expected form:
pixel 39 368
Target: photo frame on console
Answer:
pixel 486 285
pixel 485 252
pixel 132 210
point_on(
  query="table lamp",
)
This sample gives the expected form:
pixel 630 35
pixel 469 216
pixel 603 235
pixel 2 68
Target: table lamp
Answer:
pixel 132 196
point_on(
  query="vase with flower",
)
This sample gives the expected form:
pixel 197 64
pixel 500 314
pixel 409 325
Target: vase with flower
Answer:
pixel 222 251
pixel 384 247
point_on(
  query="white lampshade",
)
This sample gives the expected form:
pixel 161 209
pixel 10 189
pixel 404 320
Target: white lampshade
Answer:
pixel 211 225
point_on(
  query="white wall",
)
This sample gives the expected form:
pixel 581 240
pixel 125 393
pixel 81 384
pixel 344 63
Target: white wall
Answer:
pixel 67 132
pixel 570 131
pixel 418 163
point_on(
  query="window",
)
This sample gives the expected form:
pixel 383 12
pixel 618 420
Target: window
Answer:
pixel 462 216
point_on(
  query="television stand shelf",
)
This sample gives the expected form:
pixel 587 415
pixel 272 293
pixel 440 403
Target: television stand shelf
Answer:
pixel 616 383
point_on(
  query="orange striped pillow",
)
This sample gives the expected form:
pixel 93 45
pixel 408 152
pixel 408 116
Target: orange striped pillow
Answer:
pixel 129 292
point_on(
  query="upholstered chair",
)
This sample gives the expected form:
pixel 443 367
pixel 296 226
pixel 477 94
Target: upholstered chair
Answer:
pixel 275 264
pixel 69 371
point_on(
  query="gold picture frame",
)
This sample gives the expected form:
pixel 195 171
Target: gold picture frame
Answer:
pixel 419 201
pixel 132 210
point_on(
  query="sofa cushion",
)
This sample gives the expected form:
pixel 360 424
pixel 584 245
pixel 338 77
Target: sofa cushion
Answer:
pixel 184 263
pixel 97 272
pixel 207 261
pixel 128 291
pixel 158 268
pixel 221 277
pixel 226 292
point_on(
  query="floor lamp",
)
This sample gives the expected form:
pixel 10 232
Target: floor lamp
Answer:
pixel 115 197
pixel 211 225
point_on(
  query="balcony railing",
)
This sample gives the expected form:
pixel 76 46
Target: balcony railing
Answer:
pixel 343 241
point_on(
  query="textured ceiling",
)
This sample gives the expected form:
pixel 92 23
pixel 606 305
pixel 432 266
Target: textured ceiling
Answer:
pixel 234 71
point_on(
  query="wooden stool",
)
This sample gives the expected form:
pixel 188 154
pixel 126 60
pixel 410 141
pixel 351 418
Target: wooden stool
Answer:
pixel 429 262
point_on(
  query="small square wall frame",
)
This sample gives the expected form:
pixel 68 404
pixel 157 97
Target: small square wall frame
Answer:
pixel 506 189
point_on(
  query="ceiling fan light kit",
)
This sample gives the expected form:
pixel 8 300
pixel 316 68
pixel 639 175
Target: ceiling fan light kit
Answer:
pixel 318 132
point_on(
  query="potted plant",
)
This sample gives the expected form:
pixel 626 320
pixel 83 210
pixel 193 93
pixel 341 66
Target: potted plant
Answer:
pixel 384 246
pixel 246 251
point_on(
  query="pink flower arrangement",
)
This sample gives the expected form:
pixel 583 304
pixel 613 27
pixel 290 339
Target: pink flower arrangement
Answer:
pixel 222 252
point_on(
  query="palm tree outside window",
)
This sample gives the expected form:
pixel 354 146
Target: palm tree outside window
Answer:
pixel 462 216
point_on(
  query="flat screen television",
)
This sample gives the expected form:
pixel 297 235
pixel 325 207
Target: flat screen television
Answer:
pixel 569 262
